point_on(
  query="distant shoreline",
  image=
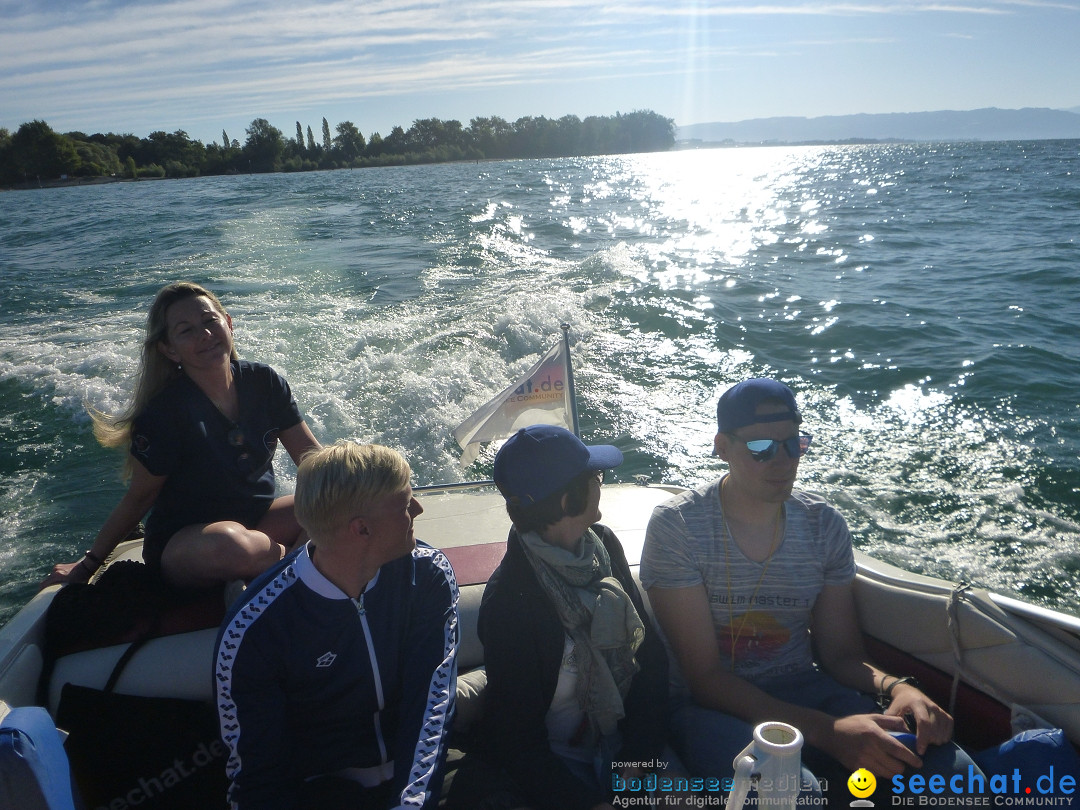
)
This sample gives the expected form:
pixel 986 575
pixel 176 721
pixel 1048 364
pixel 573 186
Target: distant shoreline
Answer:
pixel 36 151
pixel 974 126
pixel 682 145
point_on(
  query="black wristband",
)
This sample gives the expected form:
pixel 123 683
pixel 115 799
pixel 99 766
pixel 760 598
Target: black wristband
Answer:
pixel 94 558
pixel 887 691
pixel 884 695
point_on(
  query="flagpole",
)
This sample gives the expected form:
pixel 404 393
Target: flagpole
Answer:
pixel 570 378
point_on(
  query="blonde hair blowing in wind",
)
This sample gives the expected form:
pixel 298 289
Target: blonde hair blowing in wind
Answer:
pixel 341 481
pixel 155 369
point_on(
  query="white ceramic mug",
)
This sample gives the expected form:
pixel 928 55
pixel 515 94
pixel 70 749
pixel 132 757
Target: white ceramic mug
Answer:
pixel 773 762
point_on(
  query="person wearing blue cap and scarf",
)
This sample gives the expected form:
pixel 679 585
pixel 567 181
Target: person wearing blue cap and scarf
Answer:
pixel 743 574
pixel 577 677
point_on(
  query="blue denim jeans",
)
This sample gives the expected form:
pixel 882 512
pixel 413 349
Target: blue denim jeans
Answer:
pixel 708 741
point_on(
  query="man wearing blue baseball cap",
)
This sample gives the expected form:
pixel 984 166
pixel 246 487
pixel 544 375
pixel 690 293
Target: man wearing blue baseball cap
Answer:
pixel 577 677
pixel 743 573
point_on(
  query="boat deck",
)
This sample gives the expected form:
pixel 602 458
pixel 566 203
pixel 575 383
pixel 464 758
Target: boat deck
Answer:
pixel 453 517
pixel 471 525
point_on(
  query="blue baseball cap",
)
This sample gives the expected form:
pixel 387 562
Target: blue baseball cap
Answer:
pixel 738 406
pixel 542 459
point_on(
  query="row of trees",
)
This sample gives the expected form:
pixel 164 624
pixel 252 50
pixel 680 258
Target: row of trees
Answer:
pixel 36 153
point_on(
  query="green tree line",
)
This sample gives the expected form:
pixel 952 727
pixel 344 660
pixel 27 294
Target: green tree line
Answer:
pixel 35 153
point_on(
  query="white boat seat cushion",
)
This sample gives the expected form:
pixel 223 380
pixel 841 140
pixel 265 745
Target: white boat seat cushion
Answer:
pixel 181 665
pixel 172 666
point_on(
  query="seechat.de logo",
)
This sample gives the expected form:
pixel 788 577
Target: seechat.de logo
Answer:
pixel 1048 789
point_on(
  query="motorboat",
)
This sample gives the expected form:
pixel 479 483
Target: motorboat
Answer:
pixel 999 664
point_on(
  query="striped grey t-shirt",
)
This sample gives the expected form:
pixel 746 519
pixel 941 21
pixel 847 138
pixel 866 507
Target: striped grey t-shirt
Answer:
pixel 685 546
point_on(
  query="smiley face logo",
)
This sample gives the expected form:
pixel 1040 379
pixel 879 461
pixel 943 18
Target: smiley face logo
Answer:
pixel 861 783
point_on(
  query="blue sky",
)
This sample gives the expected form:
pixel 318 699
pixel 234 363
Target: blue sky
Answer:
pixel 207 65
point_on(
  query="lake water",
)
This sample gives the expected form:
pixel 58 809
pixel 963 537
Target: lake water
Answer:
pixel 922 300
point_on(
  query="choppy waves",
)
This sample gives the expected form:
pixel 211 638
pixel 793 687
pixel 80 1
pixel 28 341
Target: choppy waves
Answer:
pixel 917 298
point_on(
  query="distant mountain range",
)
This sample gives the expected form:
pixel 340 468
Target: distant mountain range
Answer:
pixel 990 124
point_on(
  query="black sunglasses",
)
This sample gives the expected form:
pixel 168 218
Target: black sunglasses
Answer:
pixel 765 449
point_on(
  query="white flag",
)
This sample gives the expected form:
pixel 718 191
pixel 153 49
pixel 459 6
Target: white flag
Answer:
pixel 541 397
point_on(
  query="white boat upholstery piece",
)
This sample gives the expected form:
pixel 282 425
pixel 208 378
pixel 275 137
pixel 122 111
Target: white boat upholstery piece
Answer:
pixel 177 666
pixel 470 650
pixel 21 656
pixel 1002 655
pixel 181 665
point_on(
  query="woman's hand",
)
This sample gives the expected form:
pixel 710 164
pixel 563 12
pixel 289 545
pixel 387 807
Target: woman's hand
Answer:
pixel 125 516
pixel 67 572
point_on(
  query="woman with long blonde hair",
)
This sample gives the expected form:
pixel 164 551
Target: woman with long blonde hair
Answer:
pixel 202 428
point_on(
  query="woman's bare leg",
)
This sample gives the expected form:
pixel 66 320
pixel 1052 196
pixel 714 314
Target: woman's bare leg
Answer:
pixel 205 554
pixel 200 556
pixel 279 524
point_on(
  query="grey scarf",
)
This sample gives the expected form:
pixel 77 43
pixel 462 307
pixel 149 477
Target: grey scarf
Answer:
pixel 598 615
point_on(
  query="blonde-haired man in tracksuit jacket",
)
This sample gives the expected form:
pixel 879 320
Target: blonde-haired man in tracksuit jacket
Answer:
pixel 336 671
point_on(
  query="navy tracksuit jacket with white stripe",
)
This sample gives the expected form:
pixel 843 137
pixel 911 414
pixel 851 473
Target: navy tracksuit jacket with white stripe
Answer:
pixel 311 682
